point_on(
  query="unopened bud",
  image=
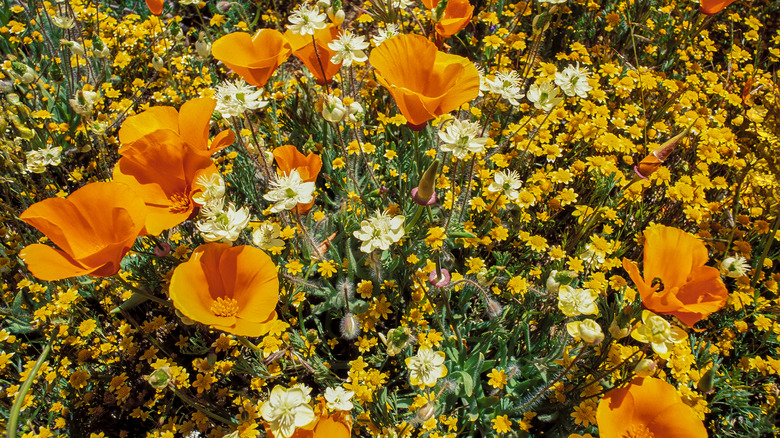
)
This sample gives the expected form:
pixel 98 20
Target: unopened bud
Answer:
pixel 157 63
pixel 645 368
pixel 311 335
pixel 653 161
pixel 617 331
pixel 494 308
pixel 350 327
pixel 203 47
pixel 337 17
pixel 426 412
pixel 223 7
pixel 162 249
pixel 707 382
pixel 439 277
pixel 424 193
pixel 160 378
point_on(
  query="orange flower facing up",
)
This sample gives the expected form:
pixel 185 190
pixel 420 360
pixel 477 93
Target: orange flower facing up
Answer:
pixel 711 7
pixel 317 60
pixel 676 282
pixel 254 58
pixel 424 82
pixel 230 288
pixel 308 167
pixel 647 407
pixel 190 123
pixel 94 228
pixel 456 16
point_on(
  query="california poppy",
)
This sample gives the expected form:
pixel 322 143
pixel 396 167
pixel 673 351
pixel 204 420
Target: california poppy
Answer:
pixel 710 7
pixel 308 167
pixel 191 123
pixel 456 16
pixel 254 58
pixel 676 282
pixel 647 407
pixel 424 82
pixel 230 288
pixel 94 228
pixel 654 159
pixel 317 60
pixel 155 6
pixel 163 170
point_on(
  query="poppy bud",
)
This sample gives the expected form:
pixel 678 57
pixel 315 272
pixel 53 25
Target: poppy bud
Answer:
pixel 653 161
pixel 157 63
pixel 424 193
pixel 494 308
pixel 707 382
pixel 350 327
pixel 223 7
pixel 162 249
pixel 426 412
pixel 645 368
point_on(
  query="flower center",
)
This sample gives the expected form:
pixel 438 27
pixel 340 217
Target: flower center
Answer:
pixel 180 203
pixel 639 431
pixel 225 307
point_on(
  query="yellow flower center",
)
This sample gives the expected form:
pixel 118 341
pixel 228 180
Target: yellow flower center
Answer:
pixel 639 431
pixel 225 307
pixel 179 203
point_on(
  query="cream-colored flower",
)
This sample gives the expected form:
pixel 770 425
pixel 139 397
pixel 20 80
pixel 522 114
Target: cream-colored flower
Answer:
pixel 266 236
pixel 658 333
pixel 588 330
pixel 349 48
pixel 461 137
pixel 544 96
pixel 426 367
pixel 37 160
pixel 380 231
pixel 506 181
pixel 734 267
pixel 306 19
pixel 339 399
pixel 290 190
pixel 285 410
pixel 225 225
pixel 574 302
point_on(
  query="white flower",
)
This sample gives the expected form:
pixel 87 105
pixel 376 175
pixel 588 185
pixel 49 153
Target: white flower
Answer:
pixel 289 192
pixel 505 84
pixel 588 330
pixel 84 102
pixel 335 110
pixel 285 410
pixel 573 80
pixel 401 4
pixel 349 48
pixel 658 333
pixel 37 160
pixel 266 236
pixel 189 2
pixel 224 226
pixel 380 231
pixel 383 34
pixel 203 47
pixel 212 188
pixel 590 255
pixel 574 302
pixel 427 367
pixel 734 267
pixel 461 137
pixel 338 399
pixel 306 19
pixel 557 278
pixel 76 48
pixel 234 98
pixel 544 96
pixel 506 181
pixel 63 21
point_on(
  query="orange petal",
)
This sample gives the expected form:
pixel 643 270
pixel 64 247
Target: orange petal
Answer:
pixel 194 117
pixel 222 140
pixel 155 6
pixel 316 61
pixel 193 287
pixel 256 284
pixel 702 295
pixel 49 264
pixel 677 421
pixel 328 427
pixel 253 58
pixel 671 254
pixel 710 7
pixel 153 119
pixel 457 15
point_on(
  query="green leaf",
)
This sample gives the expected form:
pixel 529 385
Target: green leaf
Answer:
pixel 466 380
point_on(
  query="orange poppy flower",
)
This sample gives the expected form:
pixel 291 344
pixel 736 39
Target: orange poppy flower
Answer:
pixel 155 6
pixel 230 288
pixel 457 15
pixel 711 7
pixel 254 58
pixel 94 228
pixel 676 282
pixel 647 407
pixel 424 82
pixel 191 123
pixel 317 61
pixel 308 167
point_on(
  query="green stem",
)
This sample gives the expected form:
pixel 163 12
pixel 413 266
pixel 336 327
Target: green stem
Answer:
pixel 13 417
pixel 199 407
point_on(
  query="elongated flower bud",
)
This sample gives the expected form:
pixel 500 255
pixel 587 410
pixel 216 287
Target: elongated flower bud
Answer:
pixel 653 161
pixel 707 382
pixel 424 193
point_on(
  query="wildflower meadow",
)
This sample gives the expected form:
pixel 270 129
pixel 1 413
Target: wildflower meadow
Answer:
pixel 389 218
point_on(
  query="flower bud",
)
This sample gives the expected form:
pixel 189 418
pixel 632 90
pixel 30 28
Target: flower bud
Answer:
pixel 223 7
pixel 203 46
pixel 557 278
pixel 333 109
pixel 425 413
pixel 653 161
pixel 617 331
pixel 160 378
pixel 337 17
pixel 645 368
pixel 494 308
pixel 162 249
pixel 588 330
pixel 157 63
pixel 707 382
pixel 350 327
pixel 76 48
pixel 424 193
